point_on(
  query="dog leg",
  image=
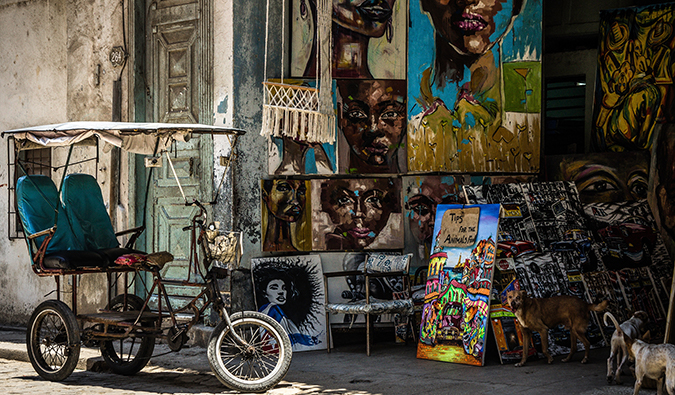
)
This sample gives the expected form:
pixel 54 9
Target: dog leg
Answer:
pixel 638 384
pixel 573 345
pixel 587 345
pixel 659 385
pixel 610 366
pixel 543 333
pixel 527 338
pixel 619 369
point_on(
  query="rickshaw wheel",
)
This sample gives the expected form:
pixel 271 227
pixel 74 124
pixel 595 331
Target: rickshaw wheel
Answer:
pixel 53 340
pixel 257 366
pixel 129 355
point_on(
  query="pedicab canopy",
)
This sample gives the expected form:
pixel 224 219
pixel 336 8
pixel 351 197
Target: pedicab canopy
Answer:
pixel 139 138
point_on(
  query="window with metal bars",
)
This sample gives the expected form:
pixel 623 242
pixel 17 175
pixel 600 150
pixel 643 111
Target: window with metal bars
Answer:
pixel 34 161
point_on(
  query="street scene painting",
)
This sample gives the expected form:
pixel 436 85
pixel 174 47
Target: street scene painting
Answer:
pixel 290 290
pixel 459 281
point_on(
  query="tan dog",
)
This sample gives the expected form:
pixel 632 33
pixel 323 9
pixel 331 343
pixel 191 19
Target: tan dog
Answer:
pixel 652 361
pixel 542 314
pixel 619 352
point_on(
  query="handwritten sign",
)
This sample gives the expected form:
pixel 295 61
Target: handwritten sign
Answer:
pixel 459 227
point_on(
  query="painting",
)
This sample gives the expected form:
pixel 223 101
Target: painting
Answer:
pixel 662 184
pixel 290 290
pixel 369 39
pixel 459 281
pixel 286 215
pixel 372 120
pixel 356 214
pixel 474 86
pixel 634 88
pixel 289 154
pixel 603 177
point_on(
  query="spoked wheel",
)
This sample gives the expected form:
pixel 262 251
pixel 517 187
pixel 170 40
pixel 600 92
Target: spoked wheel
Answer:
pixel 53 340
pixel 257 366
pixel 129 355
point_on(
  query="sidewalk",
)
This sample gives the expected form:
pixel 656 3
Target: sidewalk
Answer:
pixel 391 369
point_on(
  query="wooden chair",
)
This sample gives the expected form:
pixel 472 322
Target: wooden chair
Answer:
pixel 377 265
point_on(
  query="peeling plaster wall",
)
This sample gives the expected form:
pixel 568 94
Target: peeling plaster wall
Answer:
pixel 49 57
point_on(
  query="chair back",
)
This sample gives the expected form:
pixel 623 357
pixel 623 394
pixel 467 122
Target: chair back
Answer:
pixel 87 213
pixel 384 263
pixel 38 202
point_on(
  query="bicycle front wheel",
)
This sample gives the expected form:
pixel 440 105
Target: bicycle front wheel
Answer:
pixel 257 366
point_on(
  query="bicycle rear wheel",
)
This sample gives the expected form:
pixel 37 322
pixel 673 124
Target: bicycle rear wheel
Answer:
pixel 256 367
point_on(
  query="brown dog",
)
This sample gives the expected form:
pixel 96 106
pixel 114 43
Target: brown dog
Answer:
pixel 542 314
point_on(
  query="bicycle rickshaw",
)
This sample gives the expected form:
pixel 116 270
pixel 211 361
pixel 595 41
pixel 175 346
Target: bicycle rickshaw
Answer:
pixel 69 232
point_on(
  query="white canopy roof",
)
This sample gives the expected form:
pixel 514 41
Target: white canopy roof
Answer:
pixel 140 138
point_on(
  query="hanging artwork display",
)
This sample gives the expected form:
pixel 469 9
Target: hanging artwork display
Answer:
pixel 369 39
pixel 459 280
pixel 474 86
pixel 297 153
pixel 356 214
pixel 286 215
pixel 634 88
pixel 290 290
pixel 662 184
pixel 372 120
pixel 603 176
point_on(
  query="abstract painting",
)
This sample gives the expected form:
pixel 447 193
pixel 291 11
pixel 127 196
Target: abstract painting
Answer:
pixel 369 39
pixel 455 314
pixel 286 215
pixel 474 86
pixel 372 120
pixel 356 214
pixel 634 88
pixel 603 177
pixel 290 290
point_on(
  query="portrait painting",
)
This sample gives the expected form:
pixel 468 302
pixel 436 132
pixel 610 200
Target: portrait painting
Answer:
pixel 603 177
pixel 661 193
pixel 369 39
pixel 474 86
pixel 371 119
pixel 286 215
pixel 356 214
pixel 290 290
pixel 459 282
pixel 634 88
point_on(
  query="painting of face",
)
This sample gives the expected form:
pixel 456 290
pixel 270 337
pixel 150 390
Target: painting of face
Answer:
pixel 276 292
pixel 359 210
pixel 367 17
pixel 286 199
pixel 604 177
pixel 467 25
pixel 372 118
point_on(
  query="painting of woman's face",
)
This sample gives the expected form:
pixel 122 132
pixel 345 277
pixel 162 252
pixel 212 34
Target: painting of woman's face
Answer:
pixel 285 199
pixel 468 25
pixel 367 17
pixel 276 292
pixel 373 118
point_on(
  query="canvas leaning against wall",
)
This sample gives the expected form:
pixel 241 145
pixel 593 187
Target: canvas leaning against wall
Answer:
pixel 474 86
pixel 356 214
pixel 459 280
pixel 634 88
pixel 290 290
pixel 286 215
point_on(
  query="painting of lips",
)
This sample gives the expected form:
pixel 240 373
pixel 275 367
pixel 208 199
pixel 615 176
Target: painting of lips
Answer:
pixel 356 214
pixel 377 11
pixel 471 22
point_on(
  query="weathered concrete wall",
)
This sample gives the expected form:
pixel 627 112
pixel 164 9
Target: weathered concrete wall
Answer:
pixel 49 73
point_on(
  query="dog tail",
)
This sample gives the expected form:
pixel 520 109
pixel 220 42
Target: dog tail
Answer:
pixel 616 324
pixel 599 306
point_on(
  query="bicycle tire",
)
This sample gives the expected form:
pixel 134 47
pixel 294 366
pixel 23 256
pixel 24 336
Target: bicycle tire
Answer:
pixel 53 340
pixel 127 356
pixel 252 369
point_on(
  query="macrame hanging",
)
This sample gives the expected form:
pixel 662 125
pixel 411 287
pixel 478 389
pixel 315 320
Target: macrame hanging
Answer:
pixel 301 112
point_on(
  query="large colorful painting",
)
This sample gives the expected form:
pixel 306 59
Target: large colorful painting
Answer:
pixel 372 120
pixel 634 91
pixel 603 177
pixel 369 39
pixel 290 290
pixel 459 280
pixel 474 86
pixel 357 214
pixel 286 215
